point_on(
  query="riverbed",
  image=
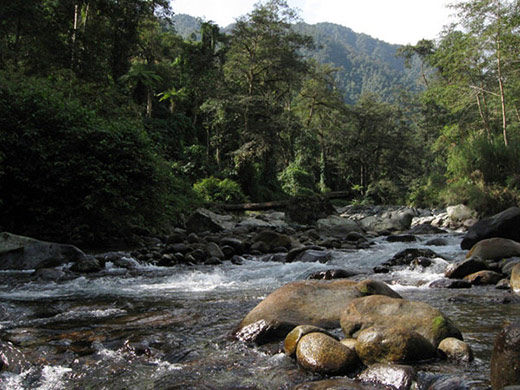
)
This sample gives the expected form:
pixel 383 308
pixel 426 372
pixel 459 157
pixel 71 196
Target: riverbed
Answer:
pixel 169 328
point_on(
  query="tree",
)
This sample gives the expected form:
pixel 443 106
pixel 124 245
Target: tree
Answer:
pixel 264 67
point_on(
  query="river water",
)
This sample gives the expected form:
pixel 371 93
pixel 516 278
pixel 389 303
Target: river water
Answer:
pixel 169 328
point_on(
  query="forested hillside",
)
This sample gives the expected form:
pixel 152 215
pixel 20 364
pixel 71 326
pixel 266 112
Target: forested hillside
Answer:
pixel 113 123
pixel 364 64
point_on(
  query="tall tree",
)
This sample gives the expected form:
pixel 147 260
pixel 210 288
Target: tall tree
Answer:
pixel 264 67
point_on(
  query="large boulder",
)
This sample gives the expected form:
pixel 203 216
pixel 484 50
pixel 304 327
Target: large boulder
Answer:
pixel 460 213
pixel 494 249
pixel 392 345
pixel 505 359
pixel 399 220
pixel 22 253
pixel 338 226
pixel 203 220
pixel 309 302
pixel 505 224
pixel 386 311
pixel 268 240
pixel 323 354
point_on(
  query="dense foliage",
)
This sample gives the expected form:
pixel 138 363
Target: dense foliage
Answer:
pixel 112 123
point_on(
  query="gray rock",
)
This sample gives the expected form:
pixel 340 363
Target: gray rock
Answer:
pixel 12 359
pixel 396 376
pixel 203 220
pixel 425 228
pixel 450 283
pixel 22 253
pixel 88 264
pixel 314 256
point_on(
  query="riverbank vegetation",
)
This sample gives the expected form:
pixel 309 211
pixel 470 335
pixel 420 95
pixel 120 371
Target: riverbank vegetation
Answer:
pixel 112 123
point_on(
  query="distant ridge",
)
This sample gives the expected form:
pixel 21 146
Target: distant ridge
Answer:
pixel 366 64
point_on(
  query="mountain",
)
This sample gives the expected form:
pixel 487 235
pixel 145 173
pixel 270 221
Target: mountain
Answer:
pixel 365 64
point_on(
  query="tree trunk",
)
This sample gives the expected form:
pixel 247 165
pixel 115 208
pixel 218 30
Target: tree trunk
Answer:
pixel 501 79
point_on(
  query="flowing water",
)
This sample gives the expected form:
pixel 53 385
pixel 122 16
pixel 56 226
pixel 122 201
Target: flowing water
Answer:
pixel 169 328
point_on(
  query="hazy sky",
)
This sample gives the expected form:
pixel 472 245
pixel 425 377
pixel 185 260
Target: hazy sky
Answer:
pixel 394 21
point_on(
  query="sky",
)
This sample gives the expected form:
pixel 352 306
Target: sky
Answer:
pixel 393 21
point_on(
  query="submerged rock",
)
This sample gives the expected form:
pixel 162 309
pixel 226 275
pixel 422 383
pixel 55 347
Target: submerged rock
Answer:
pixel 384 311
pixel 310 302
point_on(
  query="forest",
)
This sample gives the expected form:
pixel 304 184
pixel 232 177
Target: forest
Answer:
pixel 112 123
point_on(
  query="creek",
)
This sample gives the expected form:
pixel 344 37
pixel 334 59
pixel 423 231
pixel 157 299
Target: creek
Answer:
pixel 169 328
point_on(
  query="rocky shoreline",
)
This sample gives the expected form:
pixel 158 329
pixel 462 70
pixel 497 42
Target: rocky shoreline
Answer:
pixel 383 337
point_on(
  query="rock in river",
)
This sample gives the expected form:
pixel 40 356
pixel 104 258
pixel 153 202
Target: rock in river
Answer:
pixel 385 311
pixel 19 253
pixel 397 376
pixel 309 302
pixel 495 249
pixel 505 359
pixel 397 344
pixel 321 353
pixel 505 224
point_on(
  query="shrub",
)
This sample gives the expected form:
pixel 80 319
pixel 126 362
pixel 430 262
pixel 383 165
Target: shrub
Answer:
pixel 215 190
pixel 383 191
pixel 69 175
pixel 296 181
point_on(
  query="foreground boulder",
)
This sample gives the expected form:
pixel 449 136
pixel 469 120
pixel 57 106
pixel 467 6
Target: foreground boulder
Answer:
pixel 505 224
pixel 505 359
pixel 19 253
pixel 392 345
pixel 323 354
pixel 386 311
pixel 309 302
